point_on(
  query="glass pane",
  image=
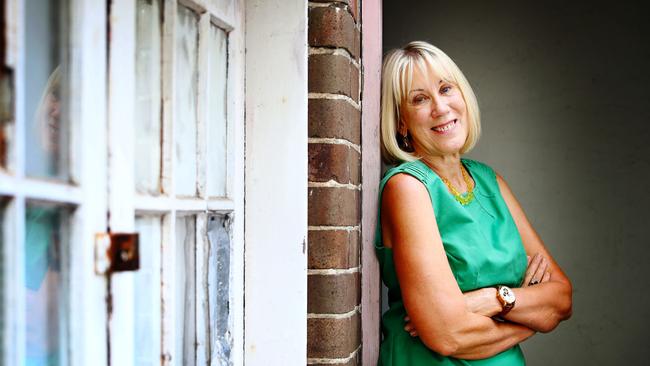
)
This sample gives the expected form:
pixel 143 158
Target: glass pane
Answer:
pixel 185 102
pixel 147 292
pixel 217 122
pixel 148 122
pixel 46 292
pixel 185 294
pixel 45 89
pixel 219 287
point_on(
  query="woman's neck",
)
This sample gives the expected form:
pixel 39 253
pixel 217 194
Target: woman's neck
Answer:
pixel 448 167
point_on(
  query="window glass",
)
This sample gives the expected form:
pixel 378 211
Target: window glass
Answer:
pixel 46 290
pixel 45 83
pixel 148 127
pixel 147 292
pixel 185 90
pixel 217 120
pixel 185 293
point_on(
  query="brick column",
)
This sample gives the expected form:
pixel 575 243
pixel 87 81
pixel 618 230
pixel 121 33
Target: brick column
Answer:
pixel 333 305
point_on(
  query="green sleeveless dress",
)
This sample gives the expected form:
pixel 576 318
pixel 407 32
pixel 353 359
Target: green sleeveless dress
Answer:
pixel 483 248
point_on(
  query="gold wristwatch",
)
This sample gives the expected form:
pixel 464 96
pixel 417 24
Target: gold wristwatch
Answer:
pixel 506 297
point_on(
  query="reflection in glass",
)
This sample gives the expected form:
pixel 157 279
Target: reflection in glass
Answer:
pixel 185 115
pixel 45 87
pixel 148 122
pixel 217 122
pixel 147 292
pixel 185 293
pixel 46 281
pixel 6 111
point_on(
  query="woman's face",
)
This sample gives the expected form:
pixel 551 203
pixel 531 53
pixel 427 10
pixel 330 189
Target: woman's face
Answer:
pixel 434 114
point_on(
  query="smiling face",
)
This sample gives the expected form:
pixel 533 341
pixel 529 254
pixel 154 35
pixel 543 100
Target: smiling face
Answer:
pixel 435 114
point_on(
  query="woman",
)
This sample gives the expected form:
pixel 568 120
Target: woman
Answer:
pixel 453 241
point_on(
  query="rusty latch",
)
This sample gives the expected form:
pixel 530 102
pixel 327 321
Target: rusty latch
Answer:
pixel 116 252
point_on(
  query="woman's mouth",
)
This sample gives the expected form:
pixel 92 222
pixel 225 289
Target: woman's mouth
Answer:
pixel 446 127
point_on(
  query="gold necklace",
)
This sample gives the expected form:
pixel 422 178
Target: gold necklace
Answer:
pixel 469 195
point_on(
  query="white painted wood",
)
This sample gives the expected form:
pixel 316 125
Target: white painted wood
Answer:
pixel 276 182
pixel 235 190
pixel 40 189
pixel 162 204
pixel 88 326
pixel 121 174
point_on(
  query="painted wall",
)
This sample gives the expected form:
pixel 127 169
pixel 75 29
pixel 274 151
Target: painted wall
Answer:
pixel 566 118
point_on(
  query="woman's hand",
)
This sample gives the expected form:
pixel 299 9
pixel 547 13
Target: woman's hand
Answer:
pixel 537 271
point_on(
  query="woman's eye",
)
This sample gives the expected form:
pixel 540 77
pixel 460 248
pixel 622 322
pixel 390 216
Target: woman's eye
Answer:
pixel 445 89
pixel 419 99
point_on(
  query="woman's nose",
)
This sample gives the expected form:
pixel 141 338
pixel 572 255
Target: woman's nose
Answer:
pixel 439 107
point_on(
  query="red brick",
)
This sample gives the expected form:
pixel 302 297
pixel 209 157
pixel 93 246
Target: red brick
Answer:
pixel 333 338
pixel 333 294
pixel 333 26
pixel 333 249
pixel 337 162
pixel 334 118
pixel 333 74
pixel 330 206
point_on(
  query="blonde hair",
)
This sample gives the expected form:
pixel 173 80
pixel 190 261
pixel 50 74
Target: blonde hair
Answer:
pixel 396 79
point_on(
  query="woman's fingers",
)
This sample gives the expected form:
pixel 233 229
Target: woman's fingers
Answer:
pixel 533 265
pixel 409 328
pixel 539 274
pixel 547 277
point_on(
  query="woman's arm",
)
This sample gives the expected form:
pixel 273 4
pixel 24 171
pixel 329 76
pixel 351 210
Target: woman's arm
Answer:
pixel 543 306
pixel 431 295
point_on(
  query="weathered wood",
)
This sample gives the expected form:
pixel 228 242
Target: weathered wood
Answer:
pixel 370 170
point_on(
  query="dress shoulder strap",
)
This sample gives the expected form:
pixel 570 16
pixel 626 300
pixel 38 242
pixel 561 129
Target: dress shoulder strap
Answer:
pixel 415 168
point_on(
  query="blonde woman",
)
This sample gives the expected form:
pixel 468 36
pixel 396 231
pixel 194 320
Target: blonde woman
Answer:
pixel 468 276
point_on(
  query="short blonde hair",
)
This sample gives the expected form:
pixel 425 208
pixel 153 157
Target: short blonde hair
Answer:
pixel 396 79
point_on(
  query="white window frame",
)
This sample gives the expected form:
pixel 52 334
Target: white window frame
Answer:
pixel 87 167
pixel 125 203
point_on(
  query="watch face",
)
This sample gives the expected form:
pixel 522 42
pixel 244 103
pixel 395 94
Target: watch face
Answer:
pixel 507 295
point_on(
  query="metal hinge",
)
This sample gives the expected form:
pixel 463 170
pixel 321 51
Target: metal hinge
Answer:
pixel 116 252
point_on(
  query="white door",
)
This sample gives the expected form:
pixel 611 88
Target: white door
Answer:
pixel 176 177
pixel 138 129
pixel 52 182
